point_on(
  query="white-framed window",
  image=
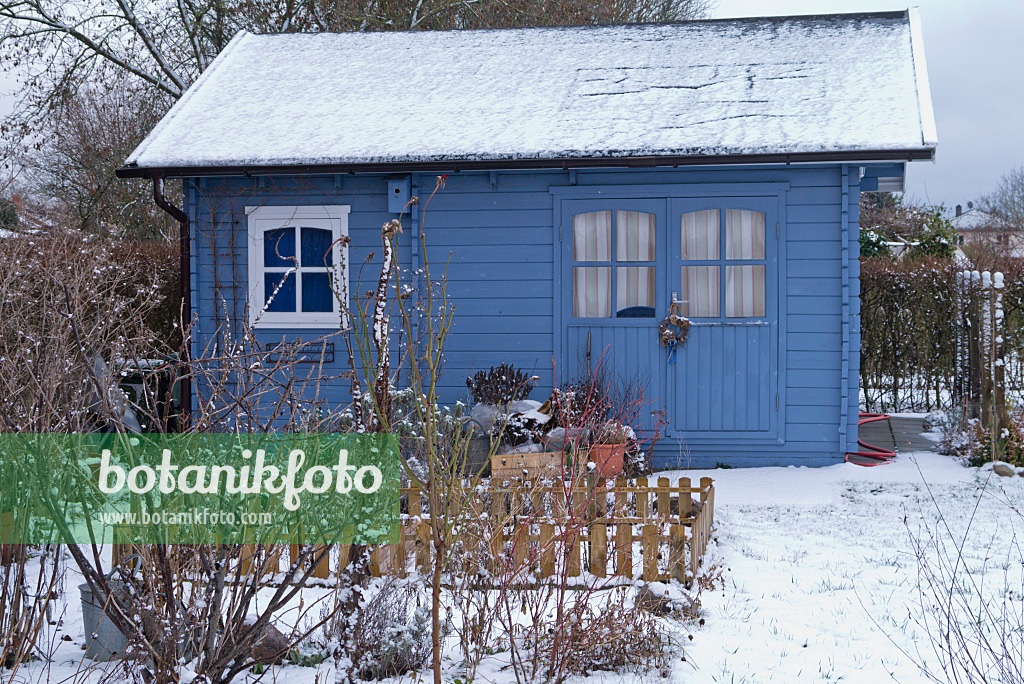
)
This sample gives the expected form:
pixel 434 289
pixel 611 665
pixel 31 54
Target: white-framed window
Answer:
pixel 298 266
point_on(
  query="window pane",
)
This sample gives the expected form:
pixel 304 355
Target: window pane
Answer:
pixel 744 234
pixel 744 291
pixel 316 248
pixel 592 236
pixel 284 300
pixel 634 292
pixel 279 247
pixel 700 234
pixel 316 292
pixel 634 236
pixel 700 291
pixel 592 292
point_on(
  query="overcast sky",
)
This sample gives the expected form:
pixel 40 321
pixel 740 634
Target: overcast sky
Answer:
pixel 976 68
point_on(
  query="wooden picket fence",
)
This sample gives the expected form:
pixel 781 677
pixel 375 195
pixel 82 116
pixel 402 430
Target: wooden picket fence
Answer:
pixel 518 529
pixel 522 530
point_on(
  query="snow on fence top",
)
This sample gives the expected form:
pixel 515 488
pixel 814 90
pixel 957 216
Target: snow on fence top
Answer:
pixel 760 86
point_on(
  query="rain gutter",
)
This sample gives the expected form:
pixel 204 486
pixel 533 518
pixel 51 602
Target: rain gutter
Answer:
pixel 456 165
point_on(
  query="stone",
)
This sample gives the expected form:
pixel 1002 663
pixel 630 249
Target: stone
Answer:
pixel 270 648
pixel 659 599
pixel 1004 470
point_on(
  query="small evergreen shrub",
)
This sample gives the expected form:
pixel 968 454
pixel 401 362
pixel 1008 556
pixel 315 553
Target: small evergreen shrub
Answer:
pixel 500 385
pixel 873 244
pixel 938 239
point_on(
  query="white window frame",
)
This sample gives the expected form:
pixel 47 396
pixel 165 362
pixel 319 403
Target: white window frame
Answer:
pixel 263 218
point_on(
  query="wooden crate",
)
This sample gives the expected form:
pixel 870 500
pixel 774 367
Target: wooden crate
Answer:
pixel 528 466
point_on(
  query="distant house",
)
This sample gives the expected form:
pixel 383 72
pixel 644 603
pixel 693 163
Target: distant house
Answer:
pixel 977 227
pixel 595 175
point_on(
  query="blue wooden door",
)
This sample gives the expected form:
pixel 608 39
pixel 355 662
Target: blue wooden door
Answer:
pixel 622 263
pixel 723 267
pixel 614 257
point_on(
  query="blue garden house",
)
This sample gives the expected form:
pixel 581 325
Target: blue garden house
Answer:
pixel 595 175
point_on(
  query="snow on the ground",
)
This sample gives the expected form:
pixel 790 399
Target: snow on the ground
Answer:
pixel 821 578
pixel 819 575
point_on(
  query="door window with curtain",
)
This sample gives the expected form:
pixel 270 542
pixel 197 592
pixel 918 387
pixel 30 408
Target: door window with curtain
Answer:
pixel 613 273
pixel 723 255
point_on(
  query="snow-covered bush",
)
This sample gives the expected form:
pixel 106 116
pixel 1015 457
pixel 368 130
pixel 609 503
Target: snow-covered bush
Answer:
pixel 451 425
pixel 614 634
pixel 873 244
pixel 388 636
pixel 937 240
pixel 911 326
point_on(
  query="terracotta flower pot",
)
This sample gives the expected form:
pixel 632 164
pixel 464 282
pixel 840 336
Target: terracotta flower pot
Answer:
pixel 608 459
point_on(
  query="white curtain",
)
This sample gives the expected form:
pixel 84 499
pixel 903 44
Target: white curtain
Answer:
pixel 634 241
pixel 700 235
pixel 592 288
pixel 744 291
pixel 744 285
pixel 634 236
pixel 634 287
pixel 744 234
pixel 592 285
pixel 592 236
pixel 700 288
pixel 700 284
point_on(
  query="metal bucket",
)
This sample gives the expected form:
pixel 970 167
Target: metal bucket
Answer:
pixel 478 457
pixel 103 640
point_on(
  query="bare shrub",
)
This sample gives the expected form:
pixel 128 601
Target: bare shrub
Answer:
pixel 969 608
pixel 69 303
pixel 388 636
pixel 80 309
pixel 31 578
pixel 616 635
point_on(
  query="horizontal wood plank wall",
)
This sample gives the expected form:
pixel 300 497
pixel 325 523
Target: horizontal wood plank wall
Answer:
pixel 497 235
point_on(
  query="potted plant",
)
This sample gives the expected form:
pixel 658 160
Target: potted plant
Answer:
pixel 609 448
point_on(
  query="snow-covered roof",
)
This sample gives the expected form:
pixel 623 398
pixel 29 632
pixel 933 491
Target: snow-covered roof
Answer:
pixel 976 219
pixel 851 87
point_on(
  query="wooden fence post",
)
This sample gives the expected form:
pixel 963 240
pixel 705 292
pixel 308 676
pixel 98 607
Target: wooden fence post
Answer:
pixel 323 568
pixel 572 543
pixel 685 502
pixel 664 498
pixel 677 553
pixel 649 543
pixel 598 549
pixel 643 506
pixel 547 550
pixel 423 547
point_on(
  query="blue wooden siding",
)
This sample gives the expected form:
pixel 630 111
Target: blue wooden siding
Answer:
pixel 499 236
